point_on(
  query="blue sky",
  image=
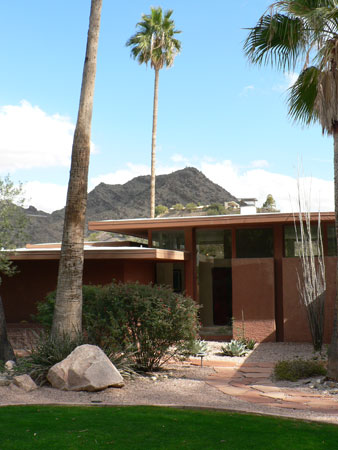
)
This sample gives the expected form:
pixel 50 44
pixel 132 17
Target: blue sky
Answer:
pixel 216 112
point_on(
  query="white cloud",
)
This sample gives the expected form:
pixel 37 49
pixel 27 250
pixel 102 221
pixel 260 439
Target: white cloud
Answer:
pixel 46 197
pixel 259 163
pixel 259 183
pixel 177 158
pixel 29 137
pixel 289 80
pixel 251 182
pixel 121 176
pixel 246 90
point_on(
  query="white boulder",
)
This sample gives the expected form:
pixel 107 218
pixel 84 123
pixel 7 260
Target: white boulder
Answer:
pixel 87 368
pixel 24 382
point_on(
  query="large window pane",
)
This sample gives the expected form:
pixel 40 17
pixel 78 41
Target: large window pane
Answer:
pixel 213 249
pixel 171 240
pixel 254 243
pixel 331 241
pixel 292 247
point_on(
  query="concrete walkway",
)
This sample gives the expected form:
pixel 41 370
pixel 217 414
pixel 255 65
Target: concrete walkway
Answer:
pixel 251 382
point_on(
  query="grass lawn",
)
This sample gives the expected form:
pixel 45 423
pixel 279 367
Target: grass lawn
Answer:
pixel 138 427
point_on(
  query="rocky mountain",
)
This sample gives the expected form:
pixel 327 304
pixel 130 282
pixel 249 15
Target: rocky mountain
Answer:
pixel 131 200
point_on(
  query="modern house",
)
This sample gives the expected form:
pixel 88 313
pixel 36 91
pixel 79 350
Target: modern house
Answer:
pixel 242 269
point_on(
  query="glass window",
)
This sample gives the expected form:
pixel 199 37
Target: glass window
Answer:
pixel 171 240
pixel 292 247
pixel 214 276
pixel 331 240
pixel 254 243
pixel 214 243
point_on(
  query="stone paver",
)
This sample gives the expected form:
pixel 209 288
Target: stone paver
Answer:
pixel 251 382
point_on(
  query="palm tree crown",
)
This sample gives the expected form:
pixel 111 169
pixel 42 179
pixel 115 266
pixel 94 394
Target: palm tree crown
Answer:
pixel 155 40
pixel 302 31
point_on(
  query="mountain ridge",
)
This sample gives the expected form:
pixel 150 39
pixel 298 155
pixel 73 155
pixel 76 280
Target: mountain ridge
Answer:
pixel 130 200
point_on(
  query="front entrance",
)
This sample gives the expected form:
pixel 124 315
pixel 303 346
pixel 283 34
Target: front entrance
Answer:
pixel 222 295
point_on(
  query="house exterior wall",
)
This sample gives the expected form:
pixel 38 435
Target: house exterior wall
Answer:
pixel 36 278
pixel 296 327
pixel 253 294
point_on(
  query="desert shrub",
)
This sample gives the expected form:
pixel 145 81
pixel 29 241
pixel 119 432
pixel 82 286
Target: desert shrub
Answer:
pixel 160 209
pixel 234 348
pixel 153 322
pixel 45 309
pixel 248 343
pixel 296 369
pixel 178 207
pixel 216 209
pixel 190 206
pixel 44 355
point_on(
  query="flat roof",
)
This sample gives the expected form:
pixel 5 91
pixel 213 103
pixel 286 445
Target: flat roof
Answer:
pixel 91 252
pixel 140 227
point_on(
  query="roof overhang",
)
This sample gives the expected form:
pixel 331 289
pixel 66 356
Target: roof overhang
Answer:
pixel 140 227
pixel 125 253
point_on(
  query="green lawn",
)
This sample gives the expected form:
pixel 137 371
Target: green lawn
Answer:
pixel 66 428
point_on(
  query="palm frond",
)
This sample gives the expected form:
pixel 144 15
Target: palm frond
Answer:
pixel 277 40
pixel 302 96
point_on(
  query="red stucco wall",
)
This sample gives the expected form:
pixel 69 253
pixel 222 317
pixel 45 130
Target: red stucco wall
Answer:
pixel 36 278
pixel 253 293
pixel 296 328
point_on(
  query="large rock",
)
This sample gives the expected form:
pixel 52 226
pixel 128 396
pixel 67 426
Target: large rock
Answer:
pixel 87 368
pixel 24 382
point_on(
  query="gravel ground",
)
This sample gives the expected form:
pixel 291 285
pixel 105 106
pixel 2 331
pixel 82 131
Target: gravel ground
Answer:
pixel 178 385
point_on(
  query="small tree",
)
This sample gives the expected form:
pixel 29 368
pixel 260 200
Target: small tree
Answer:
pixel 12 233
pixel 178 207
pixel 190 206
pixel 160 209
pixel 269 202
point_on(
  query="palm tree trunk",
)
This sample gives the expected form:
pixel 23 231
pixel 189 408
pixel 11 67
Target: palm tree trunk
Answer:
pixel 332 370
pixel 6 350
pixel 153 147
pixel 67 320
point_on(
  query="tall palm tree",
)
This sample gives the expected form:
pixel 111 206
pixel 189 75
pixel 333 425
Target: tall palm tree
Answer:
pixel 155 43
pixel 304 33
pixel 67 318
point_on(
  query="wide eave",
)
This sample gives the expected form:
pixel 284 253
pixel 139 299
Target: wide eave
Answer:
pixel 149 254
pixel 140 227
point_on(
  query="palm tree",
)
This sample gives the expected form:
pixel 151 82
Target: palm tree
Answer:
pixel 155 43
pixel 67 320
pixel 294 32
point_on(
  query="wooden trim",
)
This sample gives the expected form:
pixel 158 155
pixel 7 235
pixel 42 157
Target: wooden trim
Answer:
pixel 114 253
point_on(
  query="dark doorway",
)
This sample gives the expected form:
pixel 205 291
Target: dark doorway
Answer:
pixel 222 295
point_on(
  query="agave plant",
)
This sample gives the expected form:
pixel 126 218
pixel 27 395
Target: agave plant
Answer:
pixel 234 348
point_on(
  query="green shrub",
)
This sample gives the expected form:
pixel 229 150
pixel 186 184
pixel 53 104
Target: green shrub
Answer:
pixel 160 209
pixel 248 343
pixel 152 321
pixel 191 206
pixel 234 348
pixel 296 369
pixel 178 207
pixel 44 355
pixel 216 209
